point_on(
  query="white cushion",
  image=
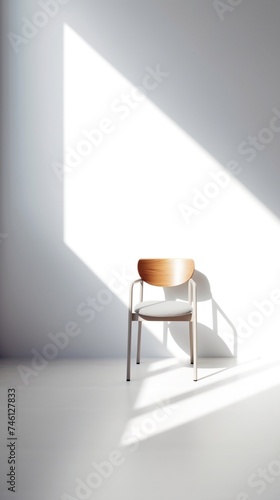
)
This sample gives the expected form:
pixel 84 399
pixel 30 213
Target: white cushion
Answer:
pixel 158 309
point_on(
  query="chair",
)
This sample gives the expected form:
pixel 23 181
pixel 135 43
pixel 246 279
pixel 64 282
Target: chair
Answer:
pixel 164 273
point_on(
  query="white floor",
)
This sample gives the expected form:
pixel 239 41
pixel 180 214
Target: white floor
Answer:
pixel 84 432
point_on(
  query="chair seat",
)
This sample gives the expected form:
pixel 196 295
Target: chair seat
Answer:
pixel 159 309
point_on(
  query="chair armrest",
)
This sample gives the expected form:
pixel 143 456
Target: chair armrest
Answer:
pixel 131 293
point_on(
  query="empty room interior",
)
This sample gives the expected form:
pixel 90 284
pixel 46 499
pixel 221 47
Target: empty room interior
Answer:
pixel 139 250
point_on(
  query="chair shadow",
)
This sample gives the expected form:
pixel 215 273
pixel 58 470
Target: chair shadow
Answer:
pixel 211 343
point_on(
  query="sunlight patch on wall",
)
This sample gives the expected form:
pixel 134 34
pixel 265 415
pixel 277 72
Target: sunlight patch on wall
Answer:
pixel 126 162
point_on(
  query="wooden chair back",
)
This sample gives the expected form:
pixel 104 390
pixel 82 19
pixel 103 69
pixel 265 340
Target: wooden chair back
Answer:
pixel 165 272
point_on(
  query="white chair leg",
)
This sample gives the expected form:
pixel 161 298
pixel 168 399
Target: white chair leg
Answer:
pixel 191 341
pixel 129 346
pixel 139 342
pixel 194 351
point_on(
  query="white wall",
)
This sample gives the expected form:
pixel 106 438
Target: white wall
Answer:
pixel 142 186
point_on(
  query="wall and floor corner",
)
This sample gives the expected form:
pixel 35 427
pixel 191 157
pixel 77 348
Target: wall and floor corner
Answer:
pixel 133 129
